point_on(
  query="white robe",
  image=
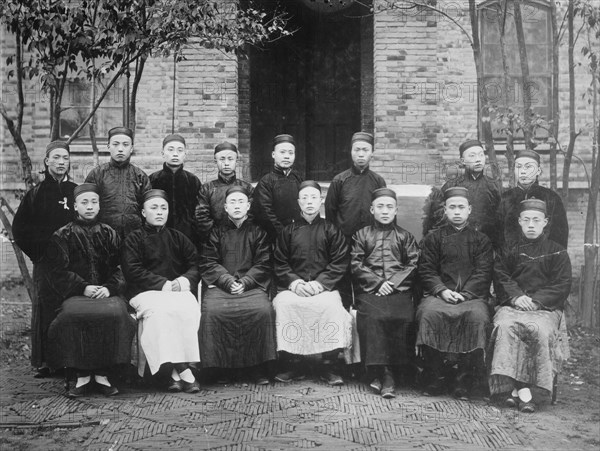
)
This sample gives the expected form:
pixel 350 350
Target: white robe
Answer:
pixel 311 325
pixel 168 325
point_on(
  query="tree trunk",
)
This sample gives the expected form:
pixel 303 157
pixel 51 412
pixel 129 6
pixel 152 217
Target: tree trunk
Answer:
pixel 555 105
pixel 572 132
pixel 26 165
pixel 484 113
pixel 525 82
pixel 137 77
pixel 92 128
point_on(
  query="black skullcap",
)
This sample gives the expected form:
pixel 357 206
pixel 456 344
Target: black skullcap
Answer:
pixel 383 192
pixel 309 184
pixel 283 139
pixel 468 144
pixel 362 136
pixel 528 154
pixel 456 191
pixel 533 204
pixel 58 144
pixel 225 146
pixel 152 193
pixel 120 131
pixel 236 189
pixel 85 188
pixel 173 137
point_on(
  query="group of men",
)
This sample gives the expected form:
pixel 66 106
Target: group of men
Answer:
pixel 278 281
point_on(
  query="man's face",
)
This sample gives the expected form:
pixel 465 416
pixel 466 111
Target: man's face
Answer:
pixel 226 161
pixel 237 205
pixel 156 211
pixel 310 200
pixel 87 205
pixel 284 155
pixel 173 153
pixel 474 158
pixel 58 163
pixel 362 152
pixel 120 147
pixel 457 210
pixel 532 223
pixel 384 209
pixel 526 170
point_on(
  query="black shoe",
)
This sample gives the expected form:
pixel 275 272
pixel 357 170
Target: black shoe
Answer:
pixel 436 388
pixel 332 378
pixel 42 373
pixel 174 386
pixel 190 387
pixel 376 385
pixel 388 389
pixel 527 407
pixel 289 376
pixel 77 392
pixel 107 390
pixel 463 383
pixel 512 402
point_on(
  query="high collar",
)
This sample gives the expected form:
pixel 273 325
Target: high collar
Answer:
pixel 84 222
pixel 316 220
pixel 48 178
pixel 116 164
pixel 168 169
pixel 237 224
pixel 472 174
pixel 227 179
pixel 526 190
pixel 455 229
pixel 357 171
pixel 523 240
pixel 153 229
pixel 379 226
pixel 280 171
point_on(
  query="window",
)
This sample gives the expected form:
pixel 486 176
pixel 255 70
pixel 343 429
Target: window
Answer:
pixel 77 102
pixel 537 27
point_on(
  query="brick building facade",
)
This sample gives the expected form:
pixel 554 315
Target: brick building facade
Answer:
pixel 413 84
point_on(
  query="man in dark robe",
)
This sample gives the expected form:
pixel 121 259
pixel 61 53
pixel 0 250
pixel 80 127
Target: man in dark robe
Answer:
pixel 121 184
pixel 89 328
pixel 180 185
pixel 275 200
pixel 455 271
pixel 238 320
pixel 384 262
pixel 527 170
pixel 160 266
pixel 484 193
pixel 348 200
pixel 311 257
pixel 44 209
pixel 529 341
pixel 211 198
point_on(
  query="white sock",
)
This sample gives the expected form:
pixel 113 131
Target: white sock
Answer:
pixel 102 380
pixel 175 375
pixel 187 376
pixel 525 395
pixel 515 393
pixel 81 381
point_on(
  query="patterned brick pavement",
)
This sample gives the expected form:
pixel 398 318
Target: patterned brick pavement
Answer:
pixel 302 415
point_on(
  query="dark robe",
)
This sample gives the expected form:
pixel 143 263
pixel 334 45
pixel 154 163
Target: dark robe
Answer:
pixel 275 200
pixel 385 323
pixel 85 333
pixel 236 330
pixel 348 200
pixel 539 268
pixel 484 198
pixel 45 208
pixel 557 229
pixel 152 256
pixel 210 210
pixel 121 187
pixel 182 189
pixel 462 261
pixel 311 251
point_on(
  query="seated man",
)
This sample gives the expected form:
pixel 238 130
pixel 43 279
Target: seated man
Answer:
pixel 92 331
pixel 384 261
pixel 311 257
pixel 236 327
pixel 160 265
pixel 453 317
pixel 532 281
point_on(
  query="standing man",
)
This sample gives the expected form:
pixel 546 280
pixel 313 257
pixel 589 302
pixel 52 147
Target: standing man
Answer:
pixel 275 202
pixel 180 185
pixel 527 171
pixel 210 211
pixel 121 185
pixel 45 208
pixel 348 200
pixel 484 192
pixel 453 317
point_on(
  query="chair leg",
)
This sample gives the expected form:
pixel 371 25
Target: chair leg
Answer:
pixel 554 389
